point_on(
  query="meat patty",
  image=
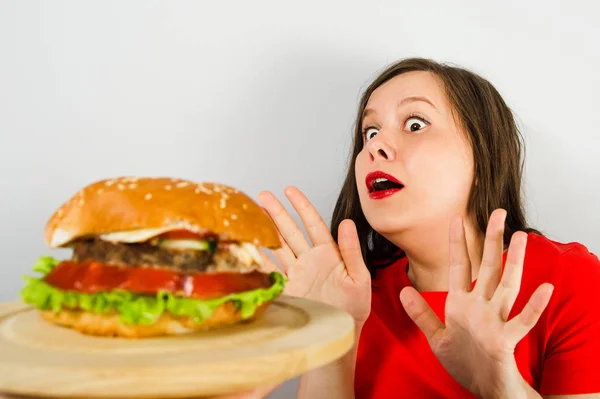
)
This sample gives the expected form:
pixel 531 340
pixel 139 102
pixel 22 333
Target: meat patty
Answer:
pixel 141 254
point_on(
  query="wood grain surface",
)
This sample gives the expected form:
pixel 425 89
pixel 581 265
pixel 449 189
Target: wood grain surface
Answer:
pixel 293 336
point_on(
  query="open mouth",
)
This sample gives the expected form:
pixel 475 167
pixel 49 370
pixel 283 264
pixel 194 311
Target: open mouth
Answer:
pixel 381 184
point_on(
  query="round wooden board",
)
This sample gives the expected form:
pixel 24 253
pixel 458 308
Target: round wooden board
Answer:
pixel 291 337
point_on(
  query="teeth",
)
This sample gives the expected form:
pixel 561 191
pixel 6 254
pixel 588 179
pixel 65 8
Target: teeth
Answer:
pixel 380 180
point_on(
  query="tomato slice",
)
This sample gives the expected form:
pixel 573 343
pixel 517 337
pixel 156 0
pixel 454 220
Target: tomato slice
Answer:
pixel 90 277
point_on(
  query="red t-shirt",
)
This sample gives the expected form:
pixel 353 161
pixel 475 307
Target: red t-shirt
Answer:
pixel 560 355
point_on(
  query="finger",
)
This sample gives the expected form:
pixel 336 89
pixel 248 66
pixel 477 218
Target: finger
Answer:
pixel 284 255
pixel 350 250
pixel 268 265
pixel 510 283
pixel 317 230
pixel 421 313
pixel 459 274
pixel 289 230
pixel 491 262
pixel 520 325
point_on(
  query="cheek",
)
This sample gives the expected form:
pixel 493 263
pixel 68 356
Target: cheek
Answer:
pixel 444 176
pixel 360 166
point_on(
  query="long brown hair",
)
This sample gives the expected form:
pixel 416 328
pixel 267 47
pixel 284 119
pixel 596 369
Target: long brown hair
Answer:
pixel 497 148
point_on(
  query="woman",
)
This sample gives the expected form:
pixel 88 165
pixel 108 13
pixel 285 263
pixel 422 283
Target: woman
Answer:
pixel 453 294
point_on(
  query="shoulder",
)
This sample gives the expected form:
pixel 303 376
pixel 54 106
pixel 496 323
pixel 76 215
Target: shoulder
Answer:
pixel 572 269
pixel 560 262
pixel 548 248
pixel 570 325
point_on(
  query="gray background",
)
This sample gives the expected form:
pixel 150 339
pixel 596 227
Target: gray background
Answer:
pixel 262 94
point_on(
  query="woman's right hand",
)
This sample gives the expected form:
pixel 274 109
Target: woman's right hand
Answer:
pixel 323 271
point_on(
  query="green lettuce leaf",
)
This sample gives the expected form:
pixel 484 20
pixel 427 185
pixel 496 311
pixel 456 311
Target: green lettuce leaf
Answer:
pixel 136 308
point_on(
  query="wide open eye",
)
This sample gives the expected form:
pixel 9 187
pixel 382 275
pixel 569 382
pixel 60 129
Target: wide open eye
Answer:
pixel 370 133
pixel 414 124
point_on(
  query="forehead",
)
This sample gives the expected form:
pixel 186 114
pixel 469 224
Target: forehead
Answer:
pixel 417 83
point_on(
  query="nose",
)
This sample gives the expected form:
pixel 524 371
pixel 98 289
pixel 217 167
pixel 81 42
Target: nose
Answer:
pixel 380 150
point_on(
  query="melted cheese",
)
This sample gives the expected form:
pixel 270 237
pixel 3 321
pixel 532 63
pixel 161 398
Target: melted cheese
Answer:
pixel 247 253
pixel 141 235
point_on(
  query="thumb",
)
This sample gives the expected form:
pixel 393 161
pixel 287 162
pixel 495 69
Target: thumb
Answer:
pixel 351 252
pixel 420 312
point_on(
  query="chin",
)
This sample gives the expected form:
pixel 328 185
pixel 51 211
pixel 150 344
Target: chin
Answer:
pixel 387 227
pixel 387 221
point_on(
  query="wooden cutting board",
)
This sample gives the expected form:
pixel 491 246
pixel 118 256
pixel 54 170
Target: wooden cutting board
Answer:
pixel 291 337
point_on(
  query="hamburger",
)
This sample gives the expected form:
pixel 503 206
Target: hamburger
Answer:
pixel 154 257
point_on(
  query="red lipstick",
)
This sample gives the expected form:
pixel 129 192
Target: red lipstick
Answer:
pixel 382 185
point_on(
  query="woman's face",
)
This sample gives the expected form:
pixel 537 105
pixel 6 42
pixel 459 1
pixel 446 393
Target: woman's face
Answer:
pixel 416 167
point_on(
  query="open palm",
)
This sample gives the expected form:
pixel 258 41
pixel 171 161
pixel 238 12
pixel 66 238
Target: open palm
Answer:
pixel 323 271
pixel 477 342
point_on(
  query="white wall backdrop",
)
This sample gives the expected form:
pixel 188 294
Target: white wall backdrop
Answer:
pixel 262 94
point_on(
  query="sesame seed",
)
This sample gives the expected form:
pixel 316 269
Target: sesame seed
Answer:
pixel 182 184
pixel 100 191
pixel 174 180
pixel 222 203
pixel 110 182
pixel 148 196
pixel 132 186
pixel 226 222
pixel 201 189
pixel 168 187
pixel 233 217
pixel 255 241
pixel 120 186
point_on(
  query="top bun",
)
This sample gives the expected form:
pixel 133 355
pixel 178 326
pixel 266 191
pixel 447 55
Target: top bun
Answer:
pixel 134 209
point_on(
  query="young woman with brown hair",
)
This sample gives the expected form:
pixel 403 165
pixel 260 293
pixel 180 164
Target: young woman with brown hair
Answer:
pixel 453 294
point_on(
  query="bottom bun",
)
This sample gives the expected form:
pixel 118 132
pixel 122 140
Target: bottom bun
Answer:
pixel 110 325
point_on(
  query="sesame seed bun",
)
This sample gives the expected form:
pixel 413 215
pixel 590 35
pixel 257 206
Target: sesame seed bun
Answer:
pixel 130 209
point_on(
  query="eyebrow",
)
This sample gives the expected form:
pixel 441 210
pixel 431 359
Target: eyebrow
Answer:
pixel 413 99
pixel 407 100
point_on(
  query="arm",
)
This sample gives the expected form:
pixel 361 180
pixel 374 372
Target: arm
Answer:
pixel 326 271
pixel 335 380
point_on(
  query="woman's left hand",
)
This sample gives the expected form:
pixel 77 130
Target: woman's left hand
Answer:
pixel 477 343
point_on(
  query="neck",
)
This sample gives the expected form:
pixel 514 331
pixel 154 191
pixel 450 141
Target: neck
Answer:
pixel 428 253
